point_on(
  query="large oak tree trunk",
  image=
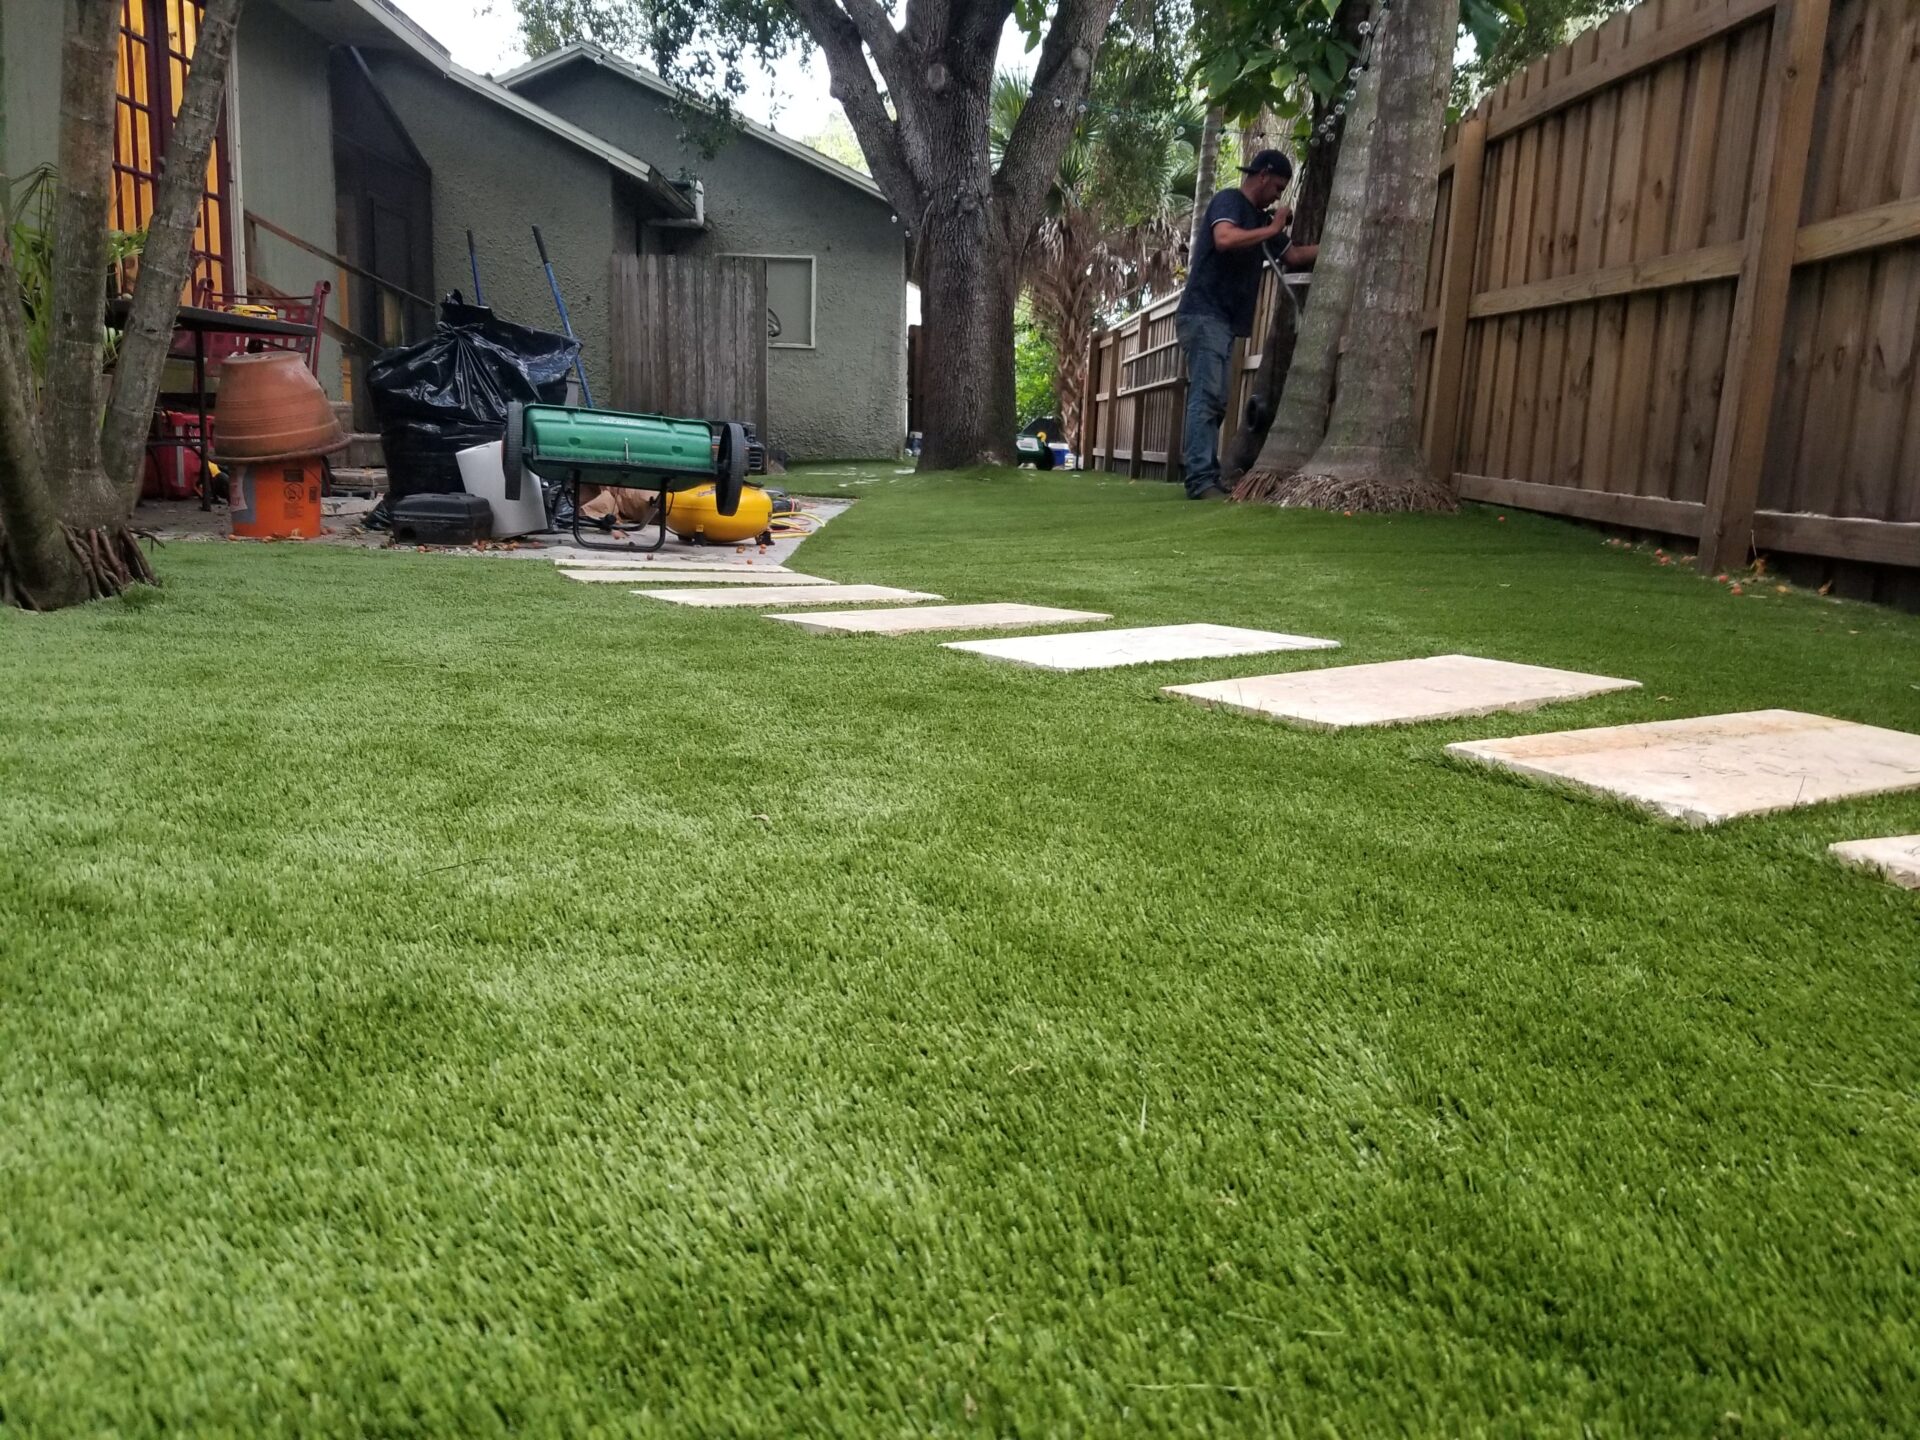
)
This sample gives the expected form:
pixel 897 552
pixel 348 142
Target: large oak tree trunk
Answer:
pixel 1371 457
pixel 926 140
pixel 967 306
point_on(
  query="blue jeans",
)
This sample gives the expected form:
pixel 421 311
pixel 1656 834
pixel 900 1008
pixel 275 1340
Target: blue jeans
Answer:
pixel 1207 342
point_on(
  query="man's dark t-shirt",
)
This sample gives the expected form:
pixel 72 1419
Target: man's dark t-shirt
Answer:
pixel 1225 284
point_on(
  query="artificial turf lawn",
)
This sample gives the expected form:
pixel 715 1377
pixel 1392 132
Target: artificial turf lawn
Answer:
pixel 439 998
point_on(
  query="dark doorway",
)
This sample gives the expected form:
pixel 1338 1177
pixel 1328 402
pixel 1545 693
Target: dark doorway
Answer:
pixel 384 219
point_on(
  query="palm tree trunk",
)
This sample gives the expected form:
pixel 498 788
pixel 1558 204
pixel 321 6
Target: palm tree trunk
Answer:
pixel 1301 419
pixel 1208 172
pixel 1309 219
pixel 1072 330
pixel 1371 457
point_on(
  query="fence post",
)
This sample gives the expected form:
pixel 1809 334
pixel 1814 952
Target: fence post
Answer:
pixel 1138 405
pixel 1456 291
pixel 1177 431
pixel 1089 403
pixel 1781 145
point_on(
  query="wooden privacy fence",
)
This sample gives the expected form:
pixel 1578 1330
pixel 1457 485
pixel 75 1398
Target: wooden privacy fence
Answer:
pixel 1673 284
pixel 1135 417
pixel 690 336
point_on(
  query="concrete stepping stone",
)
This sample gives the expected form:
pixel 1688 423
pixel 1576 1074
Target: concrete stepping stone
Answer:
pixel 936 617
pixel 814 594
pixel 1399 692
pixel 677 576
pixel 1717 767
pixel 1893 857
pixel 713 560
pixel 1105 649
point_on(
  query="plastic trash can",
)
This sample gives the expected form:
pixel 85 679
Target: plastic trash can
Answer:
pixel 483 473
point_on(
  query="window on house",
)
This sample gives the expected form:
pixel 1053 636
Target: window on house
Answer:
pixel 157 41
pixel 790 301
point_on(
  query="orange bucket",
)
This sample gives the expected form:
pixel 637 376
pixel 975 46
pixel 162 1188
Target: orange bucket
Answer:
pixel 279 500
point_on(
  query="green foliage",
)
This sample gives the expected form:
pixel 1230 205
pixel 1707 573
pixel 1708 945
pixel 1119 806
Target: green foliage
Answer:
pixel 838 142
pixel 1255 56
pixel 1034 362
pixel 702 47
pixel 29 220
pixel 1542 27
pixel 1252 56
pixel 849 1038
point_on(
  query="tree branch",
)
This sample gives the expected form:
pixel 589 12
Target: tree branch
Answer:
pixel 81 208
pixel 854 87
pixel 875 25
pixel 1052 112
pixel 168 255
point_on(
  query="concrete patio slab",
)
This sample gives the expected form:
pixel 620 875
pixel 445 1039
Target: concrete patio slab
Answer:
pixel 1717 767
pixel 1105 649
pixel 1892 857
pixel 1400 692
pixel 785 595
pixel 937 617
pixel 678 575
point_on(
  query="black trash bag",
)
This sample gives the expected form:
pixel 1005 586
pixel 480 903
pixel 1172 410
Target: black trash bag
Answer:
pixel 450 391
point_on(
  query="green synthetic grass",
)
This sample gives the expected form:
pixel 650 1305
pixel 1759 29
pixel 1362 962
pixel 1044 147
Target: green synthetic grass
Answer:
pixel 438 998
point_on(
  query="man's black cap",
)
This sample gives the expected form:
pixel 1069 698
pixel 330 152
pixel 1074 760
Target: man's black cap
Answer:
pixel 1270 162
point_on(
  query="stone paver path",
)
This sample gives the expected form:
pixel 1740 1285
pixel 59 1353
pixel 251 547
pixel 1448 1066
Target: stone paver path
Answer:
pixel 1893 857
pixel 1399 692
pixel 785 595
pixel 676 575
pixel 1716 767
pixel 1105 649
pixel 937 617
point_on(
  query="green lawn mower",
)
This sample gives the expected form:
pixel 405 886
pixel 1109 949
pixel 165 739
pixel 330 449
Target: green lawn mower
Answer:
pixel 574 446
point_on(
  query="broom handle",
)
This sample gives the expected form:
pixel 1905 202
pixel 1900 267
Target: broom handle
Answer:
pixel 566 322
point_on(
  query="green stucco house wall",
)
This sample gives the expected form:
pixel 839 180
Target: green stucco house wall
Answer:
pixel 844 395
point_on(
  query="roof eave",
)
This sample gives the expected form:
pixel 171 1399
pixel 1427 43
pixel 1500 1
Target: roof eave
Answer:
pixel 581 51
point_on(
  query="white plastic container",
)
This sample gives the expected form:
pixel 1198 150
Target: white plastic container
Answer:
pixel 484 473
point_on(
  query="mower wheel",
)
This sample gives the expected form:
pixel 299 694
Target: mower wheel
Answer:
pixel 730 475
pixel 510 458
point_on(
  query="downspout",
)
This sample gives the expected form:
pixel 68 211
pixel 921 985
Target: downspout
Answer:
pixel 697 221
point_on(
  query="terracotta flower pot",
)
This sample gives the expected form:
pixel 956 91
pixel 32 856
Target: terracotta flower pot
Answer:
pixel 271 408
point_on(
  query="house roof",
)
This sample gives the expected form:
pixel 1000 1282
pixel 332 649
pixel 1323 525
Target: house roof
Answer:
pixel 377 24
pixel 584 52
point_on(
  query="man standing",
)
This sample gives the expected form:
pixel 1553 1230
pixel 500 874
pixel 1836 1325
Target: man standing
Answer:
pixel 1223 286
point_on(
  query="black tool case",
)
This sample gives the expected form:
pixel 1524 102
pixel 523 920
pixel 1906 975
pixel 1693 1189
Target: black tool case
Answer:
pixel 455 519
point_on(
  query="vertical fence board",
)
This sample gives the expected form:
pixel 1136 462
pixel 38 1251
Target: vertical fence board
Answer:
pixel 1781 145
pixel 689 337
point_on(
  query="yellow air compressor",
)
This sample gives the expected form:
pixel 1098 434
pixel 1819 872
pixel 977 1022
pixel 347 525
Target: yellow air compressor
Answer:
pixel 695 515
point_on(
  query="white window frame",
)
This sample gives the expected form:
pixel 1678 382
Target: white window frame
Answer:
pixel 813 299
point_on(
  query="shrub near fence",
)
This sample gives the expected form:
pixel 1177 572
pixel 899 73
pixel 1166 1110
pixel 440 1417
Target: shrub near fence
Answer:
pixel 1674 285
